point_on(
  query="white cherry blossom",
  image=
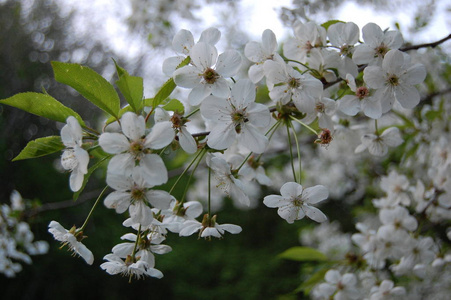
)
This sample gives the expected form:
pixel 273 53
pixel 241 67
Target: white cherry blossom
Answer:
pixel 137 267
pixel 237 118
pixel 207 72
pixel 378 144
pixel 133 148
pixel 259 53
pixel 74 158
pixel 377 44
pixel 395 80
pixel 297 202
pixel 72 238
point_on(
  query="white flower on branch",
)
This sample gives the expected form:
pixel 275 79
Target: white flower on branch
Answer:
pixel 74 158
pixel 297 202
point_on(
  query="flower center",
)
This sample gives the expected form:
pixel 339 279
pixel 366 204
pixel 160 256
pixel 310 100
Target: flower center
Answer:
pixel 362 92
pixel 68 160
pixel 210 76
pixel 320 107
pixel 294 83
pixel 137 193
pixel 298 201
pixel 381 51
pixel 346 50
pixel 239 118
pixel 137 147
pixel 393 80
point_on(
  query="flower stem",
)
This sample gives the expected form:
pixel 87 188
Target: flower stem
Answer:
pixel 186 170
pixel 291 152
pixel 92 209
pixel 191 176
pixel 138 236
pixel 192 113
pixel 209 192
pixel 303 124
pixel 299 152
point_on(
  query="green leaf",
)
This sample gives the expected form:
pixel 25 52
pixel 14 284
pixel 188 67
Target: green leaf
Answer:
pixel 41 147
pixel 174 105
pixel 168 87
pixel 89 84
pixel 42 105
pixel 331 22
pixel 86 178
pixel 164 92
pixel 132 88
pixel 303 254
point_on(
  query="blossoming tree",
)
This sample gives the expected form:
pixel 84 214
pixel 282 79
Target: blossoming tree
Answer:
pixel 332 97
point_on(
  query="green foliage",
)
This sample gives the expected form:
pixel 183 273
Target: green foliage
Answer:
pixel 131 87
pixel 89 84
pixel 303 254
pixel 331 22
pixel 174 105
pixel 307 285
pixel 41 147
pixel 42 105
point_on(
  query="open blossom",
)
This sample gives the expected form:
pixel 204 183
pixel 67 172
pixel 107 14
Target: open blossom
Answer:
pixel 227 182
pixel 237 117
pixel 134 193
pixel 297 202
pixel 72 238
pixel 306 37
pixel 145 249
pixel 133 148
pixel 377 44
pixel 395 80
pixel 344 36
pixel 378 144
pixel 363 100
pixel 182 43
pixel 74 158
pixel 139 268
pixel 324 110
pixel 259 53
pixel 186 140
pixel 207 72
pixel 387 290
pixel 342 287
pixel 285 84
pixel 208 228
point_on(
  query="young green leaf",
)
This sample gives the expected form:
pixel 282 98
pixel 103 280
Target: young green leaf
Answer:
pixel 121 112
pixel 41 147
pixel 164 92
pixel 331 22
pixel 42 105
pixel 132 88
pixel 174 105
pixel 302 254
pixel 89 84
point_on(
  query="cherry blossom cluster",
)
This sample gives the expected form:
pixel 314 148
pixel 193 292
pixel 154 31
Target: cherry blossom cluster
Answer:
pixel 332 97
pixel 16 238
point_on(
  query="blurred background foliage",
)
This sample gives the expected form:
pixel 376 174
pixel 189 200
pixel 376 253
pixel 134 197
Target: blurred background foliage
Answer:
pixel 243 266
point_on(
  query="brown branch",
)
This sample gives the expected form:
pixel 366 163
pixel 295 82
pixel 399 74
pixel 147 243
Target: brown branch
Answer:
pixel 438 93
pixel 433 45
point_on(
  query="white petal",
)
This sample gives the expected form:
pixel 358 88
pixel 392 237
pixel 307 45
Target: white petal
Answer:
pixel 221 136
pixel 183 41
pixel 203 55
pixel 187 142
pixel 187 76
pixel 210 36
pixel 253 139
pixel 275 201
pixel 228 63
pixel 161 135
pixel 315 194
pixel 113 143
pixel 291 189
pixel 199 93
pixel 314 213
pixel 407 96
pixel 349 104
pixel 170 64
pixel 153 170
pixel 119 201
pixel 133 126
pixel 141 213
pixel 159 199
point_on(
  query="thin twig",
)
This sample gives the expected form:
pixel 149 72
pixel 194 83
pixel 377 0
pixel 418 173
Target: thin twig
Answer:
pixel 432 45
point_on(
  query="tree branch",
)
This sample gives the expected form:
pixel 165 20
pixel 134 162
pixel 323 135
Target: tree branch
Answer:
pixel 433 45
